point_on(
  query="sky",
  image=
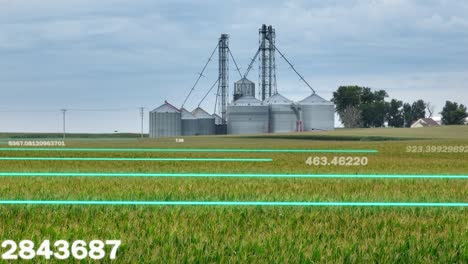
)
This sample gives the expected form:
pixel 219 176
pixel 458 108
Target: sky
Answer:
pixel 104 59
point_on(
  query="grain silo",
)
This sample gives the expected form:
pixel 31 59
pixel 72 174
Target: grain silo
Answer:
pixel 247 115
pixel 244 87
pixel 282 116
pixel 189 123
pixel 220 125
pixel 165 121
pixel 206 122
pixel 218 119
pixel 317 113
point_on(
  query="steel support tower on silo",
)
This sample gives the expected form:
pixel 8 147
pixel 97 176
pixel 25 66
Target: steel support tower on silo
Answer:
pixel 223 82
pixel 267 62
pixel 272 60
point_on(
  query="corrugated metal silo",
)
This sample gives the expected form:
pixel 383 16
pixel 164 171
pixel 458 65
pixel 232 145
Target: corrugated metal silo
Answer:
pixel 189 123
pixel 247 115
pixel 318 113
pixel 220 126
pixel 218 119
pixel 244 87
pixel 206 122
pixel 152 124
pixel 282 116
pixel 165 121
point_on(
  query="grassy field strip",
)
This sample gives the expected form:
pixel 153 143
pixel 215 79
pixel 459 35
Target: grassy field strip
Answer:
pixel 233 175
pixel 68 139
pixel 141 159
pixel 195 150
pixel 231 203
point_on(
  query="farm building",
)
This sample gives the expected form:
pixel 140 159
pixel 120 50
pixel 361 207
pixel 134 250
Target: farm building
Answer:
pixel 424 122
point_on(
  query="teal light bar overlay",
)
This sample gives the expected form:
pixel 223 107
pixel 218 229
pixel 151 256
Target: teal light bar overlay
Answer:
pixel 230 203
pixel 247 175
pixel 195 150
pixel 138 159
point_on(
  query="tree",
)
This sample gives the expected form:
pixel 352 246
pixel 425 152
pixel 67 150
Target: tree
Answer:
pixel 407 116
pixel 373 108
pixel 413 112
pixel 453 114
pixel 370 104
pixel 367 96
pixel 345 97
pixel 418 110
pixel 373 115
pixel 351 116
pixel 430 109
pixel 395 113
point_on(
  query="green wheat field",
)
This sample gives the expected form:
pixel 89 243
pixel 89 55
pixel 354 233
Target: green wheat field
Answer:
pixel 249 234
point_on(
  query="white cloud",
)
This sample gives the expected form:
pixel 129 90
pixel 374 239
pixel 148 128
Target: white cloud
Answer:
pixel 408 47
pixel 452 24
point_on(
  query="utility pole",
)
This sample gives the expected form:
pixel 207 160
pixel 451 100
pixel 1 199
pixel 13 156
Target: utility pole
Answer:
pixel 142 114
pixel 64 112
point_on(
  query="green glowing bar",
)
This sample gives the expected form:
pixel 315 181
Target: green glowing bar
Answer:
pixel 195 150
pixel 247 175
pixel 230 203
pixel 137 159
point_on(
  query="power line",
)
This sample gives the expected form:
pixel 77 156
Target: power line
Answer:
pixel 28 111
pixel 290 64
pixel 216 101
pixel 235 63
pixel 211 88
pixel 68 110
pixel 99 109
pixel 200 75
pixel 64 112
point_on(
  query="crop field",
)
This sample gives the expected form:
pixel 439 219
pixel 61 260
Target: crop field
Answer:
pixel 269 169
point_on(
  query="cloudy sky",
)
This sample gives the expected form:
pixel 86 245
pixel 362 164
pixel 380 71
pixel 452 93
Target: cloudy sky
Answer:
pixel 117 55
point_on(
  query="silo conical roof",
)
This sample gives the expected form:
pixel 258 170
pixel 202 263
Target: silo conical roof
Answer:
pixel 314 99
pixel 201 114
pixel 244 80
pixel 277 99
pixel 217 117
pixel 247 100
pixel 186 114
pixel 166 108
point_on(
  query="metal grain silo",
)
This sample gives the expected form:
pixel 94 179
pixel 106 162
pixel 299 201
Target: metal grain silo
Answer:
pixel 189 123
pixel 247 115
pixel 220 125
pixel 206 122
pixel 283 118
pixel 317 113
pixel 244 87
pixel 218 119
pixel 165 121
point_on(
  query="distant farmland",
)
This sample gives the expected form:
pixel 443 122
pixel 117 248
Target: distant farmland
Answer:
pixel 250 233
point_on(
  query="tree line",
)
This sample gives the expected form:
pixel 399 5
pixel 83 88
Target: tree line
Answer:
pixel 362 107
